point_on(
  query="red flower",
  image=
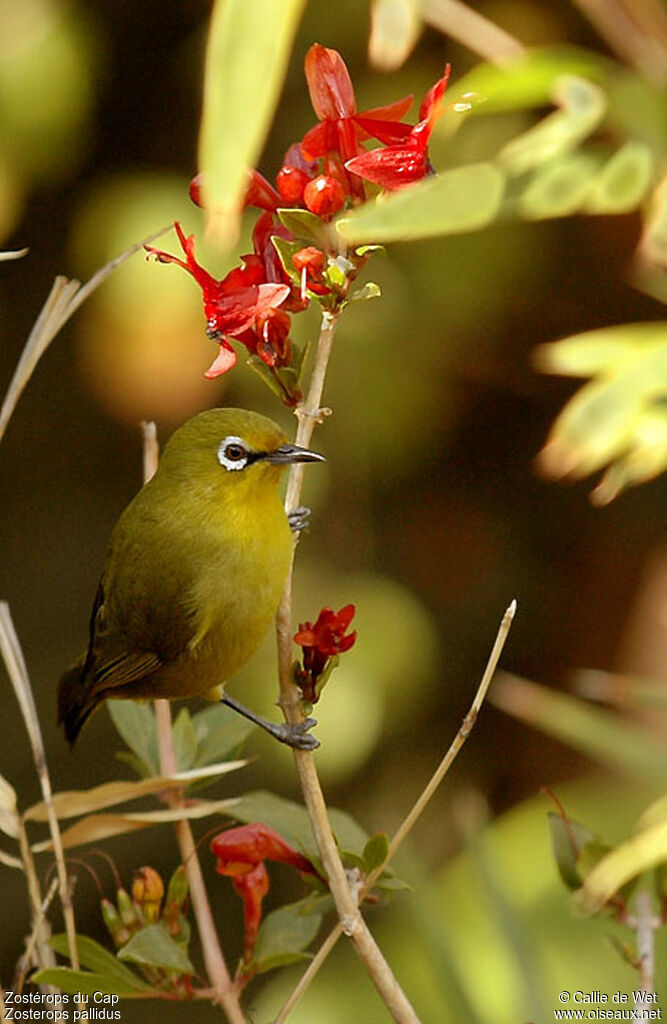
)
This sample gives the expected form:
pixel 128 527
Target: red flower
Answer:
pixel 239 303
pixel 240 854
pixel 319 642
pixel 406 162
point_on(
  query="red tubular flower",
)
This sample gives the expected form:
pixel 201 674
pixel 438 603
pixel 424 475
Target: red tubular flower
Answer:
pixel 233 305
pixel 320 641
pixel 405 162
pixel 240 854
pixel 340 127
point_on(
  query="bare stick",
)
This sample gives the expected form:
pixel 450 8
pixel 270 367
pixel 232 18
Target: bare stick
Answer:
pixel 472 29
pixel 353 925
pixel 18 674
pixel 441 771
pixel 13 254
pixel 646 925
pixel 63 300
pixel 458 741
pixel 216 968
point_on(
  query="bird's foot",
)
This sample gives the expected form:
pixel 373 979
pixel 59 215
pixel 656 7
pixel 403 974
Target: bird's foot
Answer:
pixel 293 734
pixel 298 518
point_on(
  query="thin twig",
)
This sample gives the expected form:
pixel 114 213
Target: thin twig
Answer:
pixel 444 766
pixel 18 674
pixel 646 923
pixel 309 413
pixel 216 968
pixel 635 30
pixel 471 29
pixel 458 741
pixel 13 254
pixel 63 300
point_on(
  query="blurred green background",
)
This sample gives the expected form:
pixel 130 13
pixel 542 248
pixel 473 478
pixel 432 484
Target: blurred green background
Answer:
pixel 430 515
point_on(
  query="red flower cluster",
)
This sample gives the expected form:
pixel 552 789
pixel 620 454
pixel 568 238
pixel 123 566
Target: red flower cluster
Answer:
pixel 319 176
pixel 241 853
pixel 320 642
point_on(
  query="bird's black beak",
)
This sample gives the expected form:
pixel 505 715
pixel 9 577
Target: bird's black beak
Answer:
pixel 288 453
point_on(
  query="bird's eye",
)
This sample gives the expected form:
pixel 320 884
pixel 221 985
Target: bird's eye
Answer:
pixel 235 452
pixel 232 453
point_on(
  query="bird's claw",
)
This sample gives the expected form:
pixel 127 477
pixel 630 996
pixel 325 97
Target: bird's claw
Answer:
pixel 296 734
pixel 298 518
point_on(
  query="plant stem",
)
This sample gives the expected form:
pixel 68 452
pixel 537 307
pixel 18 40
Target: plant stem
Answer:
pixel 352 923
pixel 18 674
pixel 646 924
pixel 442 769
pixel 216 968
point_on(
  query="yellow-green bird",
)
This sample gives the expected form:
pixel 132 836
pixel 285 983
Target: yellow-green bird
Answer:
pixel 194 572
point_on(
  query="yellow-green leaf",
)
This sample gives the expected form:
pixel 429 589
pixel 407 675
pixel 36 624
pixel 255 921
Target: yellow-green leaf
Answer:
pixel 462 199
pixel 560 188
pixel 623 181
pixel 247 53
pixel 643 851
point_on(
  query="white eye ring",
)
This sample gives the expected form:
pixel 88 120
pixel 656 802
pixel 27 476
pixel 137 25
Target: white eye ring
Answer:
pixel 232 453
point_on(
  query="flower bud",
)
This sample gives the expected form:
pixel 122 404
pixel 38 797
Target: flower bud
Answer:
pixel 117 930
pixel 147 893
pixel 324 196
pixel 127 910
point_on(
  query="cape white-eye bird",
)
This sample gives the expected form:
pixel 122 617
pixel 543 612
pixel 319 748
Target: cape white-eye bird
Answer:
pixel 194 571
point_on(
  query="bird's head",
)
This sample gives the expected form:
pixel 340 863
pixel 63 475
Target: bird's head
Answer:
pixel 225 448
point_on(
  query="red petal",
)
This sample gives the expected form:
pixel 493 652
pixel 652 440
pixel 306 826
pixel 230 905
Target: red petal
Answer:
pixel 344 617
pixel 223 362
pixel 389 132
pixel 390 111
pixel 260 193
pixel 319 140
pixel 392 167
pixel 427 109
pixel 329 84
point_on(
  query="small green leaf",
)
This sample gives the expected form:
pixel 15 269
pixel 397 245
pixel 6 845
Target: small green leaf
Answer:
pixel 376 851
pixel 623 181
pixel 155 947
pixel 185 740
pixel 626 952
pixel 135 722
pixel 220 732
pixel 284 933
pixel 286 251
pixel 369 250
pixel 370 290
pixel 560 188
pixel 97 959
pixel 582 106
pixel 290 820
pixel 568 838
pixel 458 200
pixel 591 854
pixel 644 850
pixel 267 375
pixel 305 225
pixel 68 980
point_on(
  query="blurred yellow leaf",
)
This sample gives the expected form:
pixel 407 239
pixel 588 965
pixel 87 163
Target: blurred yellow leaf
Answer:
pixel 247 53
pixel 617 419
pixel 9 819
pixel 623 181
pixel 395 27
pixel 631 858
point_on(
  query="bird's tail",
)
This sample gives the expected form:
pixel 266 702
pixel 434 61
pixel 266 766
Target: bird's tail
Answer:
pixel 74 707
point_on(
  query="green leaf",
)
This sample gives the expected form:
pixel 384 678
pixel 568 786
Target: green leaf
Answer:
pixel 99 960
pixel 560 188
pixel 623 181
pixel 246 59
pixel 283 935
pixel 376 851
pixel 68 980
pixel 647 849
pixel 348 832
pixel 305 225
pixel 370 290
pixel 267 375
pixel 290 820
pixel 620 417
pixel 135 722
pixel 369 250
pixel 601 734
pixel 582 107
pixel 286 251
pixel 155 947
pixel 220 732
pixel 568 839
pixel 528 81
pixel 184 740
pixel 462 199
